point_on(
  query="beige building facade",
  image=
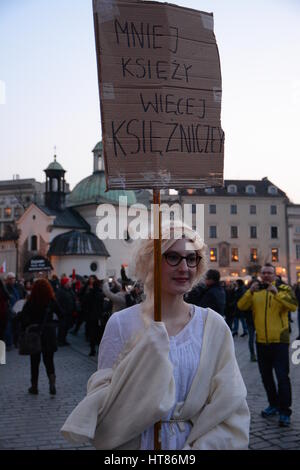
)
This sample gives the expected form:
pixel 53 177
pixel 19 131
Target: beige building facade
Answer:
pixel 245 226
pixel 15 196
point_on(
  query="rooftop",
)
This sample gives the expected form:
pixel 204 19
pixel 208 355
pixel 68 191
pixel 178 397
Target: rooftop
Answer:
pixel 77 243
pixel 67 218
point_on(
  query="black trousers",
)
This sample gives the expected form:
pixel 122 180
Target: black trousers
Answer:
pixel 276 356
pixel 35 360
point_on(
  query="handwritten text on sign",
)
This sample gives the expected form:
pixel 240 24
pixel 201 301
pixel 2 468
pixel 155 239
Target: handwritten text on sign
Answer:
pixel 160 90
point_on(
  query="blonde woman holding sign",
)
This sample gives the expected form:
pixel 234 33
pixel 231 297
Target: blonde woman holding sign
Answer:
pixel 182 371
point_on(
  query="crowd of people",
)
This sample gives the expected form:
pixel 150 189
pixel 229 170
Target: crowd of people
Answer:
pixel 63 305
pixel 60 306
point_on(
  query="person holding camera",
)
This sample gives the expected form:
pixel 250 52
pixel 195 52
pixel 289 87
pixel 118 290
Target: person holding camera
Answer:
pixel 270 306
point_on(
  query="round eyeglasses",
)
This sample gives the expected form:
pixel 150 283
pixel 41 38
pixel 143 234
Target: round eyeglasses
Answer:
pixel 174 259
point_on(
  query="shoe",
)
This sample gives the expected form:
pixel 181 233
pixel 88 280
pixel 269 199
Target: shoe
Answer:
pixel 244 334
pixel 33 390
pixel 74 333
pixel 284 421
pixel 253 358
pixel 298 337
pixel 269 411
pixel 92 353
pixel 234 333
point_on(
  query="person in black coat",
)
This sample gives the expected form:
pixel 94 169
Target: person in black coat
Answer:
pixel 39 309
pixel 95 315
pixel 4 309
pixel 212 295
pixel 240 316
pixel 67 302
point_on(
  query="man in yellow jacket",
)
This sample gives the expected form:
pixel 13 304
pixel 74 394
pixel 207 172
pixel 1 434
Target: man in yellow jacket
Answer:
pixel 270 306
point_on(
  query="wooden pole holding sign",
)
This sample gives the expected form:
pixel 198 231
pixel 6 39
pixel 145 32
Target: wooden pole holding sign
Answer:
pixel 157 285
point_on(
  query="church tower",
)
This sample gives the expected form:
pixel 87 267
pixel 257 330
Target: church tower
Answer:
pixel 55 194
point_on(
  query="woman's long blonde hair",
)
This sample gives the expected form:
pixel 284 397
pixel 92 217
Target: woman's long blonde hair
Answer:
pixel 144 257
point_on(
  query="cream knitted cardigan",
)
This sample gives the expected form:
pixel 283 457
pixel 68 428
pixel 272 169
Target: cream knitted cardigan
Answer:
pixel 124 401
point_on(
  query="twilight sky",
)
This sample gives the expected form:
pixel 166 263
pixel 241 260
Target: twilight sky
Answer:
pixel 49 92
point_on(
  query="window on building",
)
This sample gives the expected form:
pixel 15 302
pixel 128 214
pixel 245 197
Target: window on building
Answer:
pixel 7 212
pixel 234 231
pixel 250 189
pixel 233 209
pixel 232 188
pixel 275 255
pixel 213 254
pixel 253 231
pixel 273 210
pixel 94 266
pixel 234 255
pixel 297 229
pixel 297 251
pixel 212 231
pixel 8 230
pixel 253 255
pixel 0 212
pixel 193 208
pixel 212 208
pixel 18 212
pixel 274 232
pixel 209 190
pixel 252 209
pixel 272 190
pixel 33 246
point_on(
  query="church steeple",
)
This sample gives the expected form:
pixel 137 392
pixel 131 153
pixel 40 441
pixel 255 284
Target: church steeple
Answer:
pixel 55 194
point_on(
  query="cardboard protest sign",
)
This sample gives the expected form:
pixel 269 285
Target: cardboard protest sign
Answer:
pixel 160 94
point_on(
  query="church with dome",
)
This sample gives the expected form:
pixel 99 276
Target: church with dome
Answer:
pixel 61 234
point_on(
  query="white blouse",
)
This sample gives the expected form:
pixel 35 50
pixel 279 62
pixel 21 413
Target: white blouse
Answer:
pixel 185 349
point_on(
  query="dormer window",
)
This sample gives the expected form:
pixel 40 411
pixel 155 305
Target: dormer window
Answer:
pixel 272 190
pixel 209 190
pixel 232 188
pixel 250 189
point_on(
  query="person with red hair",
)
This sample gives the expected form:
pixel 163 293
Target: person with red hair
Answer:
pixel 39 309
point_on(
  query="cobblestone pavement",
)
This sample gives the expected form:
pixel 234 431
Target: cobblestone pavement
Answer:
pixel 33 422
